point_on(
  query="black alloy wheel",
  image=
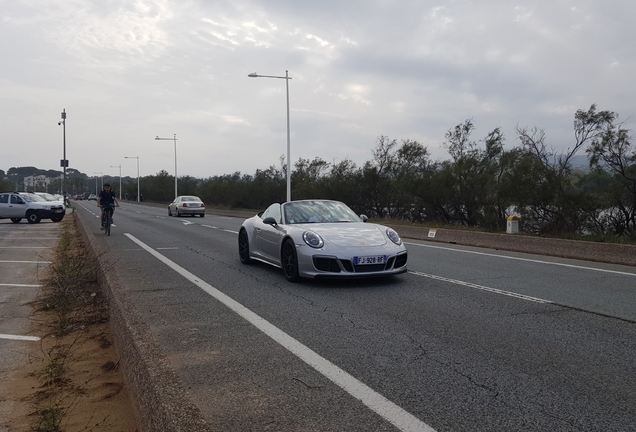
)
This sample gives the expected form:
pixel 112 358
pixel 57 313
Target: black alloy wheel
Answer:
pixel 244 247
pixel 16 220
pixel 289 259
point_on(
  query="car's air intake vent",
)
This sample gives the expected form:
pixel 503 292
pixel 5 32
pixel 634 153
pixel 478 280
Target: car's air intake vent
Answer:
pixel 400 261
pixel 327 264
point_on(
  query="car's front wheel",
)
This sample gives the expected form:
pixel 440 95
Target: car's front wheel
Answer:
pixel 57 219
pixel 244 247
pixel 169 212
pixel 16 220
pixel 289 261
pixel 33 217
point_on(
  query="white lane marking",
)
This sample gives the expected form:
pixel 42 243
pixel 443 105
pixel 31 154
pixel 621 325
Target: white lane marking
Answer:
pixel 397 416
pixel 20 285
pixel 26 262
pixel 523 259
pixel 481 287
pixel 24 247
pixel 230 231
pixel 167 248
pixel 16 337
pixel 28 238
pixel 185 222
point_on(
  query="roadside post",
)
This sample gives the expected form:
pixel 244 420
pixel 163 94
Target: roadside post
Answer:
pixel 512 225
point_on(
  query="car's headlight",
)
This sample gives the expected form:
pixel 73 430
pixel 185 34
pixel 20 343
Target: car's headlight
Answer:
pixel 312 239
pixel 393 236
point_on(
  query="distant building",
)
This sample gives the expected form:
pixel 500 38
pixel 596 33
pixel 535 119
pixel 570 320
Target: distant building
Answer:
pixel 38 182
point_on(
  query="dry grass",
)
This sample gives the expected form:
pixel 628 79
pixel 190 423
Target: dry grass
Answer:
pixel 75 381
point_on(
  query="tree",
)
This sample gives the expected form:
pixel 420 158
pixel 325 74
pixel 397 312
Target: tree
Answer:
pixel 472 175
pixel 611 149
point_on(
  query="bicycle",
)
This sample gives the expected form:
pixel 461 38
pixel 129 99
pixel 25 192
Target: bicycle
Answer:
pixel 108 218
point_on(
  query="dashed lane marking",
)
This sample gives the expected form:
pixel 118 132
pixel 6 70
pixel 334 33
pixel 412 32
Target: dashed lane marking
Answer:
pixel 17 337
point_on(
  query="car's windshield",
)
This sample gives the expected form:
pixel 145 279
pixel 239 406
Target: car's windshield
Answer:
pixel 32 198
pixel 48 197
pixel 318 212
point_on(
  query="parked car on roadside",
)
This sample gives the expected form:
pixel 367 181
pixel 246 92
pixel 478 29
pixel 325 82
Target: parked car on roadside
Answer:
pixel 23 205
pixel 186 205
pixel 92 197
pixel 51 198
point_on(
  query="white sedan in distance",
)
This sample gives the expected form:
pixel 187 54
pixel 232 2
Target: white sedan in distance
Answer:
pixel 186 205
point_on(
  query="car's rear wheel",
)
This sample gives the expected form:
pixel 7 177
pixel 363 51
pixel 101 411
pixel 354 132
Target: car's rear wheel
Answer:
pixel 16 220
pixel 244 247
pixel 289 259
pixel 33 217
pixel 202 214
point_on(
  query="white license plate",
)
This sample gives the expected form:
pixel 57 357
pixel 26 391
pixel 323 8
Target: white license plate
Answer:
pixel 365 260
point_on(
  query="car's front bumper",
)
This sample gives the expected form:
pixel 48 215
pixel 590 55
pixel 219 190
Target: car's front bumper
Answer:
pixel 47 214
pixel 314 263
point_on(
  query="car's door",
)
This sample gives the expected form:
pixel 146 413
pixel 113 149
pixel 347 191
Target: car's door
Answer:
pixel 173 205
pixel 268 236
pixel 4 205
pixel 16 208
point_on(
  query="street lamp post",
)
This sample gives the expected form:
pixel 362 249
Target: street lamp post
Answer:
pixel 135 157
pixel 118 166
pixel 101 174
pixel 286 78
pixel 175 159
pixel 63 162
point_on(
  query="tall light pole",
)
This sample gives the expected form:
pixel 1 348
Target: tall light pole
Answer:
pixel 286 78
pixel 135 157
pixel 118 166
pixel 102 174
pixel 175 160
pixel 63 162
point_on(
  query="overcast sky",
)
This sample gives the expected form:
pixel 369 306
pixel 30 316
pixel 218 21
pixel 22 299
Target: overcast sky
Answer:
pixel 126 71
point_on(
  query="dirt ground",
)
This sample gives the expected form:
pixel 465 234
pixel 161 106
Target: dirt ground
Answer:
pixel 70 382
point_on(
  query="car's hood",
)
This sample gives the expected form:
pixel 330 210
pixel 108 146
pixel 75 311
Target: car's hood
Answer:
pixel 349 233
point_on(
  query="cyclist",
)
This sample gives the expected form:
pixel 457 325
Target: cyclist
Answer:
pixel 106 199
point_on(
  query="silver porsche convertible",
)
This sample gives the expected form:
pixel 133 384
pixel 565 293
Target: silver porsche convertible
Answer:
pixel 321 239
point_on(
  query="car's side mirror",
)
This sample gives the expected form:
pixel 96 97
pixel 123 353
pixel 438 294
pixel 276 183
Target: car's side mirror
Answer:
pixel 270 221
pixel 364 218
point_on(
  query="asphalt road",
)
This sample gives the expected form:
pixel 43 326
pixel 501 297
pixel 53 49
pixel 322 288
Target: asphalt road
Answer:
pixel 468 340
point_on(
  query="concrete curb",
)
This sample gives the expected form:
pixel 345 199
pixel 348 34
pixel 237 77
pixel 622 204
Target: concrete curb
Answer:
pixel 161 402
